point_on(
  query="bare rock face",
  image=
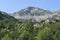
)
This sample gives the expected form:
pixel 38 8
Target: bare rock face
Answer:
pixel 35 14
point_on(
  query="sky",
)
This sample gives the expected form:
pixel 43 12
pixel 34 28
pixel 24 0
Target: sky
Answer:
pixel 11 6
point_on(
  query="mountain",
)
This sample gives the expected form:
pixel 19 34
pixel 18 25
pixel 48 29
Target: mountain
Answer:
pixel 57 15
pixel 54 16
pixel 7 24
pixel 32 13
pixel 12 29
pixel 6 20
pixel 4 15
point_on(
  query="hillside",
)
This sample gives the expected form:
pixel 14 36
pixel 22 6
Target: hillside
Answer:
pixel 7 24
pixel 12 29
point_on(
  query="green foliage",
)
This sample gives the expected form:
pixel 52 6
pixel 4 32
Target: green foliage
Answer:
pixel 12 29
pixel 44 34
pixel 6 38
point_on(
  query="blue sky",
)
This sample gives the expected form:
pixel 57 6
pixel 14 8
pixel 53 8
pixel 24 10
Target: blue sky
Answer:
pixel 11 6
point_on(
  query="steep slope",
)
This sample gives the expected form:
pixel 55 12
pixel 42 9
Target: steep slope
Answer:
pixel 6 20
pixel 33 13
pixel 4 15
pixel 57 15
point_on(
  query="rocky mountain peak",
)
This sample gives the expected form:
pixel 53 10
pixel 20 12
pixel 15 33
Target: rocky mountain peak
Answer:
pixel 33 13
pixel 36 14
